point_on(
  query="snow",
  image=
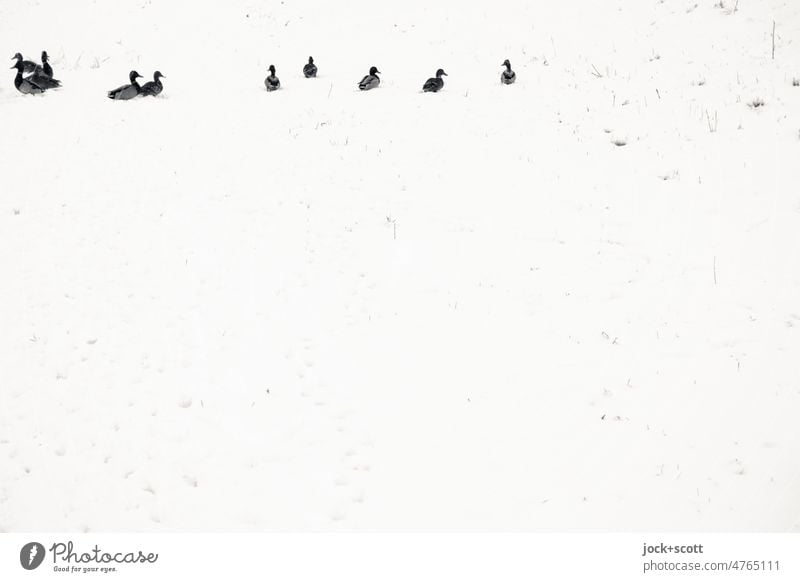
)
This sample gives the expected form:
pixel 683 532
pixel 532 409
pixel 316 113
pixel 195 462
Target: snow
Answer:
pixel 322 309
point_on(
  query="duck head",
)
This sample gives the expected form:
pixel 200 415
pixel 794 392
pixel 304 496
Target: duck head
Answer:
pixel 17 57
pixel 374 71
pixel 272 69
pixel 506 64
pixel 439 73
pixel 133 76
pixel 310 60
pixel 158 75
pixel 45 58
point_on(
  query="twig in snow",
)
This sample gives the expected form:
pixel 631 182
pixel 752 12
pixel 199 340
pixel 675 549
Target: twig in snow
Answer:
pixel 596 73
pixel 712 128
pixel 715 269
pixel 773 40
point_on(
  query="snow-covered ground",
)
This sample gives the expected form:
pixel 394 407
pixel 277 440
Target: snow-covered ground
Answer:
pixel 324 309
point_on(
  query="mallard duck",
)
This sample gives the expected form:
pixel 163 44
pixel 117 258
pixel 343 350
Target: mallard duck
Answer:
pixel 43 75
pixel 46 68
pixel 129 91
pixel 508 76
pixel 154 87
pixel 370 81
pixel 26 85
pixel 310 70
pixel 272 82
pixel 434 84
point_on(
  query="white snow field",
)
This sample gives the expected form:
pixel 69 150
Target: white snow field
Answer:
pixel 325 309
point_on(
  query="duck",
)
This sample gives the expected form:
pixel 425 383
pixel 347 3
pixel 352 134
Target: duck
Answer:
pixel 508 76
pixel 43 75
pixel 126 92
pixel 28 66
pixel 434 84
pixel 26 85
pixel 310 70
pixel 46 68
pixel 272 82
pixel 370 81
pixel 154 87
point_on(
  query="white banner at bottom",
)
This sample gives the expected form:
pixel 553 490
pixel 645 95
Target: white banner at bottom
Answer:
pixel 385 557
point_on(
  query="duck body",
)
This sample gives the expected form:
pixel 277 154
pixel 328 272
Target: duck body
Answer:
pixel 310 69
pixel 370 81
pixel 41 79
pixel 28 66
pixel 272 83
pixel 508 76
pixel 26 85
pixel 126 92
pixel 434 84
pixel 154 87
